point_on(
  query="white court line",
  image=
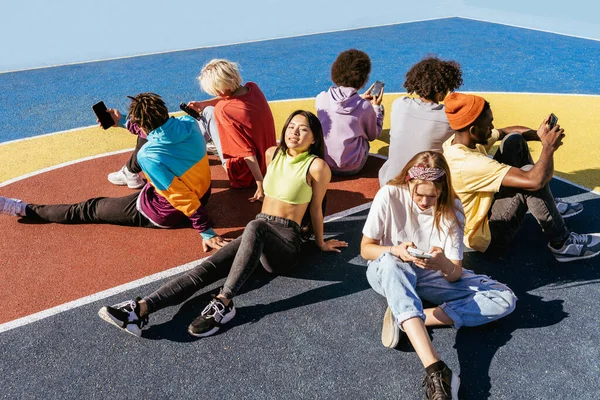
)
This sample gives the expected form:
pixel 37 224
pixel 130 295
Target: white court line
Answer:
pixel 65 164
pixel 176 270
pixel 17 323
pixel 176 113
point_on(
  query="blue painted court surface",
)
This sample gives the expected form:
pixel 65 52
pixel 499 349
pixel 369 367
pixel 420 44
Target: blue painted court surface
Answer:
pixel 315 334
pixel 494 58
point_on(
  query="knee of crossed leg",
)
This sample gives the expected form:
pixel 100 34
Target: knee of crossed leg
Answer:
pixel 501 303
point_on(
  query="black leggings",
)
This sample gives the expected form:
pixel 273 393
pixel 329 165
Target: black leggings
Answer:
pixel 278 239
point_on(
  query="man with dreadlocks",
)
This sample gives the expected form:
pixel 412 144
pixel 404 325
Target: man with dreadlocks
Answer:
pixel 175 163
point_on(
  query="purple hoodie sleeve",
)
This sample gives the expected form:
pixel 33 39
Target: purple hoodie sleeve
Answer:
pixel 372 120
pixel 200 220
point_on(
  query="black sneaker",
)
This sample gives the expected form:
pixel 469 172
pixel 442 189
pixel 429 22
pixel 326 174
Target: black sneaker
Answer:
pixel 211 318
pixel 126 316
pixel 442 385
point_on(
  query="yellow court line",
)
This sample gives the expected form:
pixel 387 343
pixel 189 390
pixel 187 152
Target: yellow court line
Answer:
pixel 576 161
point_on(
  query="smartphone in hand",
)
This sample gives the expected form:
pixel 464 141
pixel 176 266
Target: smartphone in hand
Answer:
pixel 377 88
pixel 190 111
pixel 103 115
pixel 552 121
pixel 418 253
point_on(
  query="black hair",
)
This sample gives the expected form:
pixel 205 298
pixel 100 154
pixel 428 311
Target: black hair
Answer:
pixel 431 76
pixel 318 149
pixel 148 110
pixel 351 68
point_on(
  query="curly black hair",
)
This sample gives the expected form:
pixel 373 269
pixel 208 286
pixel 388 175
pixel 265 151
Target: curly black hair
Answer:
pixel 431 76
pixel 148 110
pixel 351 68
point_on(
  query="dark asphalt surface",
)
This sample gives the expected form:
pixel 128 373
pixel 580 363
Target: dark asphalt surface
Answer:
pixel 316 335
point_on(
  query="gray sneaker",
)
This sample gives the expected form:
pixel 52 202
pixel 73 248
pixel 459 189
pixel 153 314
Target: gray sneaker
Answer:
pixel 12 207
pixel 390 332
pixel 578 247
pixel 567 210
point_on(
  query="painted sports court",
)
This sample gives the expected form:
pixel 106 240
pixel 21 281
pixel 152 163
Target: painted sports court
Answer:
pixel 314 334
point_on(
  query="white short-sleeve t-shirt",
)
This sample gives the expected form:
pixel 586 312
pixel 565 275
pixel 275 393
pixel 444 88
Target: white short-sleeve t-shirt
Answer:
pixel 395 218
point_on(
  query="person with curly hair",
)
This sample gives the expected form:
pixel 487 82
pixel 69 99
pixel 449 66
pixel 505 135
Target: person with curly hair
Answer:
pixel 295 186
pixel 350 121
pixel 174 161
pixel 418 123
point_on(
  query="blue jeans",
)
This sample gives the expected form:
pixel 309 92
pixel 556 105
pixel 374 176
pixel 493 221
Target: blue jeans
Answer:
pixel 470 301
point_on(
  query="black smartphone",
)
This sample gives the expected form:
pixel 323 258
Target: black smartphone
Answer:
pixel 552 121
pixel 377 88
pixel 103 116
pixel 189 111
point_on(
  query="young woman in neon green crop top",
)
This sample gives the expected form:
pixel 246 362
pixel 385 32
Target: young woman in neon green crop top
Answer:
pixel 295 186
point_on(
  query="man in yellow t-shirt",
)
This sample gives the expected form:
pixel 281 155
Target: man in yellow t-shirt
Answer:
pixel 497 193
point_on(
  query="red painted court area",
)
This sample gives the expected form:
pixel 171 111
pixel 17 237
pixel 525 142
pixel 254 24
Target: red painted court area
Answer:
pixel 45 265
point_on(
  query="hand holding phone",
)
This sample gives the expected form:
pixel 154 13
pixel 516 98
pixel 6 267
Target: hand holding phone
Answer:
pixel 552 121
pixel 106 120
pixel 418 253
pixel 190 111
pixel 377 88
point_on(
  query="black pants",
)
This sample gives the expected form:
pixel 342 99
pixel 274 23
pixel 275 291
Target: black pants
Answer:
pixel 108 210
pixel 511 204
pixel 132 164
pixel 278 239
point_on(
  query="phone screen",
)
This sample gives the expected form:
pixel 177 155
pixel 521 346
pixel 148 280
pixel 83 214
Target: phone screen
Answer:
pixel 102 114
pixel 377 88
pixel 552 121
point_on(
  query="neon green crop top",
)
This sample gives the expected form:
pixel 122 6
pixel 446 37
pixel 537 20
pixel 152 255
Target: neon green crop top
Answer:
pixel 285 179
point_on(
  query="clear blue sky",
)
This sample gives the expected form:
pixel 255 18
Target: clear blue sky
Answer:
pixel 39 33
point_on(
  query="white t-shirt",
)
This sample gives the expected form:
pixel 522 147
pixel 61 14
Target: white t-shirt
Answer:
pixel 395 218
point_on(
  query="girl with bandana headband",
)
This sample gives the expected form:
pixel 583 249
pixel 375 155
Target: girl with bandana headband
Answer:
pixel 418 210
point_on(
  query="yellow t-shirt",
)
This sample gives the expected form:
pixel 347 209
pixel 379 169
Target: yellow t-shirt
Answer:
pixel 476 178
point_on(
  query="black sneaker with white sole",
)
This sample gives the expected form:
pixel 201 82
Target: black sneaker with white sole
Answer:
pixel 125 316
pixel 211 318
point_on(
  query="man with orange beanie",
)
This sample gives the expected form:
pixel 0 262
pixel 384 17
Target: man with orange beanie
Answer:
pixel 497 193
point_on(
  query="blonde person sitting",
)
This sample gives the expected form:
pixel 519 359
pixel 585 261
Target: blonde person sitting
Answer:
pixel 243 127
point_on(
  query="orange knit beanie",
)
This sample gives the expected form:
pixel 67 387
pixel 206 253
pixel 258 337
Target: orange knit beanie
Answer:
pixel 462 109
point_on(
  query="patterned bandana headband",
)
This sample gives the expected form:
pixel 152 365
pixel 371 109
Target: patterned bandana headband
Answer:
pixel 424 173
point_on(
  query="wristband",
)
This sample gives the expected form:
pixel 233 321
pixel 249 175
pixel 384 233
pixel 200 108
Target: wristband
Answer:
pixel 208 234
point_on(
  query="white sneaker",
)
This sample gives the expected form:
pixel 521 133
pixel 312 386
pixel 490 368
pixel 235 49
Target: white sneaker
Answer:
pixel 12 207
pixel 578 247
pixel 211 148
pixel 123 177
